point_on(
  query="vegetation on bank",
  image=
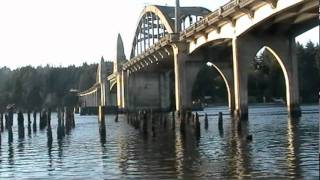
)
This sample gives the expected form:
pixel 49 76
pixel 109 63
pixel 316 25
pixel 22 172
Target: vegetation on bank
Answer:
pixel 31 88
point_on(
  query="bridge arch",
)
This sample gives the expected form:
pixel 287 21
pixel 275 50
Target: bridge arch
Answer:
pixel 284 71
pixel 157 21
pixel 153 24
pixel 220 70
pixel 226 81
pixel 194 46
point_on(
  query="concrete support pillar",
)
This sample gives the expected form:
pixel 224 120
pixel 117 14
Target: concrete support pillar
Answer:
pixel 164 91
pixel 186 68
pixel 241 59
pixel 107 94
pixel 293 95
pixel 119 90
pixel 124 78
pixel 101 114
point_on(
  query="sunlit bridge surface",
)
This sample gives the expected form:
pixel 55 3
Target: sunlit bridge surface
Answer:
pixel 280 148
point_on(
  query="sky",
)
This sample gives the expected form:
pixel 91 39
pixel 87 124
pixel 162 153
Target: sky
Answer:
pixel 64 32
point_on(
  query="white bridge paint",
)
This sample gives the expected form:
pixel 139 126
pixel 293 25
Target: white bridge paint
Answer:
pixel 244 23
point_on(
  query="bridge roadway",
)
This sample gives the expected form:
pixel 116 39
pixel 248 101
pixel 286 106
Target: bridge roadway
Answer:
pixel 165 63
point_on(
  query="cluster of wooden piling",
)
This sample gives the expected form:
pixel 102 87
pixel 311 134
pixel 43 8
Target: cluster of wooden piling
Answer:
pixel 65 123
pixel 148 121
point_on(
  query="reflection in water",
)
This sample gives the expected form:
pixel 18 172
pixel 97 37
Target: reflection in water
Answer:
pixel 239 150
pixel 10 155
pixel 179 146
pixel 123 156
pixel 293 146
pixel 281 147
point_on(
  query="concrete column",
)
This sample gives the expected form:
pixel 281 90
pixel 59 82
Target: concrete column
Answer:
pixel 119 90
pixel 124 77
pixel 241 59
pixel 144 89
pixel 165 91
pixel 101 115
pixel 186 68
pixel 293 102
pixel 107 94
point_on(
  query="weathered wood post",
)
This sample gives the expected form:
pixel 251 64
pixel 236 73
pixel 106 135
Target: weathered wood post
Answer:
pixel 59 128
pixel 145 123
pixel 220 120
pixel 40 116
pixel 6 117
pixel 102 125
pixel 29 123
pixel 20 125
pixel 1 122
pixel 206 123
pixel 197 127
pixel 69 119
pixel 182 115
pixel 35 121
pixel 10 118
pixel 117 114
pixel 43 120
pixel 10 134
pixel 49 130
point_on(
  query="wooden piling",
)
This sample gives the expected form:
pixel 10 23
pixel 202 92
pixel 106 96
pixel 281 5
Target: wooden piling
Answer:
pixel 197 127
pixel 220 120
pixel 49 130
pixel 35 121
pixel 206 122
pixel 10 118
pixel 6 117
pixel 182 121
pixel 102 125
pixel 1 122
pixel 20 125
pixel 29 123
pixel 145 123
pixel 117 114
pixel 10 134
pixel 59 128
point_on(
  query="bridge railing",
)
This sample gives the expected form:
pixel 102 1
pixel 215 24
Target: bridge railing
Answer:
pixel 90 90
pixel 214 17
pixel 156 46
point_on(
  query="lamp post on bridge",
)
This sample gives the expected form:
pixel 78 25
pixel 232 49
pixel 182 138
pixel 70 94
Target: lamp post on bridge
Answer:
pixel 177 17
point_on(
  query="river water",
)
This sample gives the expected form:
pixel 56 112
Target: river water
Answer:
pixel 281 148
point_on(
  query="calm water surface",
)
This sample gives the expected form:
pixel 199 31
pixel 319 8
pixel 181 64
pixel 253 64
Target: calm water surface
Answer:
pixel 281 148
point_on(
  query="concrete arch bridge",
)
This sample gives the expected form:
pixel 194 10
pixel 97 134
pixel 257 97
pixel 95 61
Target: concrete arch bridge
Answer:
pixel 170 46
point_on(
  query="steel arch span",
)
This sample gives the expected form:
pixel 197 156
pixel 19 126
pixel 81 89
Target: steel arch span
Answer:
pixel 157 21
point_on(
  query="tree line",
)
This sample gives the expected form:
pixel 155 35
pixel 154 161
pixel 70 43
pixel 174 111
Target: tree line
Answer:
pixel 33 88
